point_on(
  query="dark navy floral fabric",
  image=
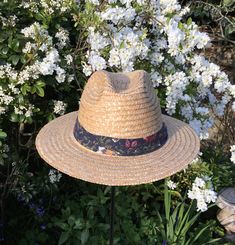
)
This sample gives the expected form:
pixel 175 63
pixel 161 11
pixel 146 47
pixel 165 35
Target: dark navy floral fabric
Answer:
pixel 121 147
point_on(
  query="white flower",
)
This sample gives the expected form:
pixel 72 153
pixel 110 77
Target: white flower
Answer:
pixel 222 82
pixel 196 125
pixel 114 59
pixel 95 2
pixel 199 182
pixel 169 6
pixel 28 47
pixel 60 77
pixel 202 110
pixel 156 78
pixel 97 62
pixel 47 68
pixel 59 107
pixel 63 37
pixel 119 15
pixel 96 40
pixel 171 184
pixel 22 110
pixel 29 111
pixel 232 90
pixel 48 65
pixel 69 59
pixel 175 37
pixel 232 150
pixel 201 205
pixel 52 56
pixel 210 196
pixel 54 176
pixel 176 85
pixel 36 31
pixel 87 69
pixel 203 192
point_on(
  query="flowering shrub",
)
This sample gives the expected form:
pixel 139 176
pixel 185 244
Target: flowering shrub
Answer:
pixel 203 192
pixel 48 49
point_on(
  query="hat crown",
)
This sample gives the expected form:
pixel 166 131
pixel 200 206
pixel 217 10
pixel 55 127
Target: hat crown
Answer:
pixel 120 105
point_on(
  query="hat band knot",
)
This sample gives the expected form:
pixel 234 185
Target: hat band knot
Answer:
pixel 121 147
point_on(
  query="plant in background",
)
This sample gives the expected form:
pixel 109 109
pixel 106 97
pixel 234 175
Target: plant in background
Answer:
pixel 47 51
pixel 179 220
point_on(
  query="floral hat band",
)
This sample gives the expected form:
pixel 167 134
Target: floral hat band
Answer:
pixel 121 147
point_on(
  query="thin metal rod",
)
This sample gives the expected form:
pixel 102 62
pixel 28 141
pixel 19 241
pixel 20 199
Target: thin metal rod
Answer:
pixel 112 207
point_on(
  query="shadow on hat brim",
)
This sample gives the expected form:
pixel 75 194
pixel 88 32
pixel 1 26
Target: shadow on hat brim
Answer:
pixel 58 147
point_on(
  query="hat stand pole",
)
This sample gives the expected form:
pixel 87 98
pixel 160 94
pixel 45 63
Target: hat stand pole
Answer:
pixel 112 206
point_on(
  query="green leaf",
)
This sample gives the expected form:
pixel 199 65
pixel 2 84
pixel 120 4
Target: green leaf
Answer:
pixel 122 45
pixel 40 91
pixel 5 50
pixel 78 224
pixel 29 120
pixel 33 90
pixel 189 21
pixel 22 118
pixel 40 84
pixel 84 236
pixel 14 59
pixel 63 237
pixel 180 25
pixel 71 220
pixel 195 238
pixel 25 88
pixel 228 3
pixel 2 134
pixel 14 117
pixel 167 202
pixel 13 44
pixel 2 37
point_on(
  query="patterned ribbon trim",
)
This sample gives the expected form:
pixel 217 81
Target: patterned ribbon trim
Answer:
pixel 121 147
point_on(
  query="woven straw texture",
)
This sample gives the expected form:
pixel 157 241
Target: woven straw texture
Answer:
pixel 58 147
pixel 120 105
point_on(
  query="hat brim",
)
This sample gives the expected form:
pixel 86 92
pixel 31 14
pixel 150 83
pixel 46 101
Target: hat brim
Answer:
pixel 58 147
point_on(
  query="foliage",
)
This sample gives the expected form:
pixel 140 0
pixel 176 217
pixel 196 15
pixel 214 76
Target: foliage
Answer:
pixel 175 226
pixel 48 49
pixel 216 14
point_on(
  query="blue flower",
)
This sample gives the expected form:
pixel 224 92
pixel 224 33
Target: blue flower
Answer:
pixel 40 211
pixel 43 226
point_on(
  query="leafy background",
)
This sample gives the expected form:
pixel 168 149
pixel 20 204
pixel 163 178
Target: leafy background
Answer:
pixel 36 211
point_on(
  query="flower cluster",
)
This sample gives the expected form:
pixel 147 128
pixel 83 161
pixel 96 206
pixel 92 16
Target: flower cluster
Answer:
pixel 49 7
pixel 203 192
pixel 43 59
pixel 59 107
pixel 145 37
pixel 54 176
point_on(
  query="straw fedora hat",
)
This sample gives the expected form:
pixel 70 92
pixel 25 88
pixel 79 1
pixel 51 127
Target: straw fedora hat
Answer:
pixel 119 135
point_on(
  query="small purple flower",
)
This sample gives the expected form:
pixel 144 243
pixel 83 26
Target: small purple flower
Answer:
pixel 20 198
pixel 43 226
pixel 32 205
pixel 40 211
pixel 164 243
